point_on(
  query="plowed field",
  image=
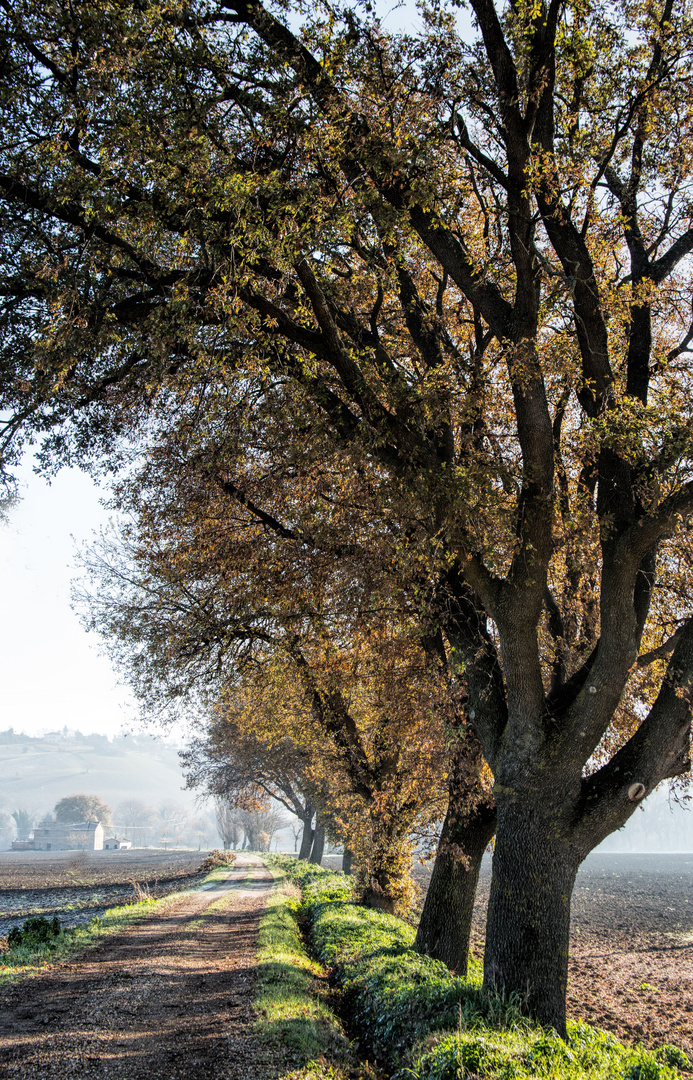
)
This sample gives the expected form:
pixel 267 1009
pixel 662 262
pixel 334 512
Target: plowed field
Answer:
pixel 631 951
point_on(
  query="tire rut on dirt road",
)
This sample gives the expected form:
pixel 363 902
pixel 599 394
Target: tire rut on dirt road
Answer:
pixel 166 999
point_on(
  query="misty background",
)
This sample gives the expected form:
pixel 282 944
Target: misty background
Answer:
pixel 71 726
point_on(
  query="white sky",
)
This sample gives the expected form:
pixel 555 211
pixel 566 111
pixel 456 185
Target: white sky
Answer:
pixel 51 673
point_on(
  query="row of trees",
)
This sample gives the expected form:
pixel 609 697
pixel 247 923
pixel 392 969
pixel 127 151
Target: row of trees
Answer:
pixel 171 824
pixel 253 829
pixel 393 335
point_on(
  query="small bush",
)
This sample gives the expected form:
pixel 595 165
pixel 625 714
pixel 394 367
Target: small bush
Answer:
pixel 217 858
pixel 34 932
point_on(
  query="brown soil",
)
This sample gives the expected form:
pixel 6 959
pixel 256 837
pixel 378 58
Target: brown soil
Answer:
pixel 55 869
pixel 631 965
pixel 167 999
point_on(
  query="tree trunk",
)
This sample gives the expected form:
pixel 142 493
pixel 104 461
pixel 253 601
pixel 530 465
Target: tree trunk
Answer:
pixel 318 844
pixel 384 870
pixel 446 920
pixel 528 923
pixel 307 835
pixel 378 898
pixel 347 860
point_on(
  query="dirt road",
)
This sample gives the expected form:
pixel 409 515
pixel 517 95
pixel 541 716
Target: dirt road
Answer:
pixel 166 999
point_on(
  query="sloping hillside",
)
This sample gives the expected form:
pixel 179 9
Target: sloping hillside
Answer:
pixel 37 771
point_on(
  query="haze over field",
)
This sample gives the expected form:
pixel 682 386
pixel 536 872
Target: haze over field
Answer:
pixel 38 771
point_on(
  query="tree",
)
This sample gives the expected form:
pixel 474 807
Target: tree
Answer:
pixel 239 769
pixel 137 817
pixel 174 821
pixel 338 712
pixel 445 925
pixel 261 825
pixel 297 831
pixel 201 830
pixel 228 823
pixel 80 807
pixel 469 265
pixel 349 734
pixel 24 821
pixel 7 829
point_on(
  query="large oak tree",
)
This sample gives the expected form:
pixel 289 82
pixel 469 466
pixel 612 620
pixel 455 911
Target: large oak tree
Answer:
pixel 471 264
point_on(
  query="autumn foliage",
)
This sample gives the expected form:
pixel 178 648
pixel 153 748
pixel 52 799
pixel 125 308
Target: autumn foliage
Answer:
pixel 401 327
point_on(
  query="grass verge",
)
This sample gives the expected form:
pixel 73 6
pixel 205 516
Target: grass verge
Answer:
pixel 291 995
pixel 423 1023
pixel 23 962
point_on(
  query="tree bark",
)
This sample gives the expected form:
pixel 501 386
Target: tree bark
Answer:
pixel 446 920
pixel 385 870
pixel 379 899
pixel 307 835
pixel 470 822
pixel 528 922
pixel 347 860
pixel 318 843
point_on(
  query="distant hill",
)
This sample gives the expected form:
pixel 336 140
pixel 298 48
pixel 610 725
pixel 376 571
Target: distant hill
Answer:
pixel 38 771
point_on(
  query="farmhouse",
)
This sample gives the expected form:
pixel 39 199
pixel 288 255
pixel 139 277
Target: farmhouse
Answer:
pixel 52 835
pixel 116 843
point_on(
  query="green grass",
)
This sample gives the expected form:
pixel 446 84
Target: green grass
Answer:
pixel 291 994
pixel 424 1023
pixel 526 1051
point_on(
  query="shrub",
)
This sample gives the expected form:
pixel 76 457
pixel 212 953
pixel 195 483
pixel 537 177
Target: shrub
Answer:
pixel 217 858
pixel 34 932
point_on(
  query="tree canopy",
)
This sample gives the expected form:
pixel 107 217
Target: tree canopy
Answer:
pixel 72 809
pixel 465 267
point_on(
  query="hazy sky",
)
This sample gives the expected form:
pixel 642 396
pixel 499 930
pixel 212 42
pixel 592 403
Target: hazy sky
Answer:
pixel 51 672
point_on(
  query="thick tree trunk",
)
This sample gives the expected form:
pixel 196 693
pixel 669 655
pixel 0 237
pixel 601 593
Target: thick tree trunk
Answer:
pixel 347 860
pixel 307 835
pixel 528 923
pixel 384 871
pixel 446 919
pixel 318 844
